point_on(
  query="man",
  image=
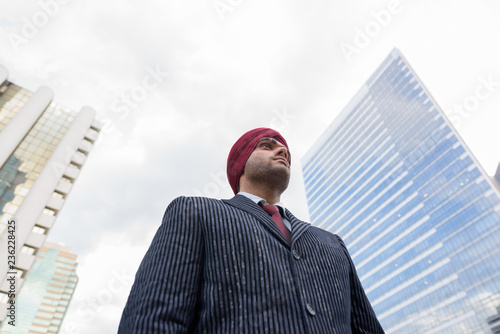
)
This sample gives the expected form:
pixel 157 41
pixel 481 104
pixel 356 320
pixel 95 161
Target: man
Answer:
pixel 240 266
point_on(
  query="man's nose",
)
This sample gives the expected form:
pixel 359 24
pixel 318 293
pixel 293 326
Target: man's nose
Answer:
pixel 283 152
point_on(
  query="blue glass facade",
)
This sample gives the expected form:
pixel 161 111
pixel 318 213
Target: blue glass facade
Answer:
pixel 420 217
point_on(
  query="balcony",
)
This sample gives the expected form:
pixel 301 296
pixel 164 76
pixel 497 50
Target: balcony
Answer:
pixel 91 135
pixel 55 203
pixel 46 220
pixel 71 172
pixel 25 261
pixel 35 240
pixel 78 158
pixel 85 146
pixel 64 187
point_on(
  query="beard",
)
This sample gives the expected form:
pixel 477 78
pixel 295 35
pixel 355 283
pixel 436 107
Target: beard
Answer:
pixel 267 174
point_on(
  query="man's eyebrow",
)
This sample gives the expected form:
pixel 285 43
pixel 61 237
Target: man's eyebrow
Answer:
pixel 274 141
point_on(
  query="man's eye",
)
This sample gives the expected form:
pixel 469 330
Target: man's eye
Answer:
pixel 265 145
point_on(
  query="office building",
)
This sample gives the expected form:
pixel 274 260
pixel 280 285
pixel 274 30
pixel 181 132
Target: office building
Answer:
pixel 496 177
pixel 43 146
pixel 46 292
pixel 418 213
pixel 494 322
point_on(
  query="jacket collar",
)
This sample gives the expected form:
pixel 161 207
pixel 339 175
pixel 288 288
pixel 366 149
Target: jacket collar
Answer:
pixel 298 226
pixel 243 203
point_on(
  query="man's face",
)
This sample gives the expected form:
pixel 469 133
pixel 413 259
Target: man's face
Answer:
pixel 269 162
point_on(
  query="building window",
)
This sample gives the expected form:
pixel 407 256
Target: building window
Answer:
pixel 4 298
pixel 20 272
pixel 49 212
pixel 58 194
pixel 74 165
pixel 66 179
pixel 81 154
pixel 28 250
pixel 38 230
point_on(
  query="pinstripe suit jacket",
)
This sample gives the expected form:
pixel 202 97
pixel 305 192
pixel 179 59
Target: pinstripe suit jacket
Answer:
pixel 223 266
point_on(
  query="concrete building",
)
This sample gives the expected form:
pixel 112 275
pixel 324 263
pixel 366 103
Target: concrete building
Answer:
pixel 46 292
pixel 43 146
pixel 420 216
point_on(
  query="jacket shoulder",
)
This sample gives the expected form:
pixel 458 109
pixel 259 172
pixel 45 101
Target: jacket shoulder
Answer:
pixel 205 201
pixel 326 236
pixel 195 201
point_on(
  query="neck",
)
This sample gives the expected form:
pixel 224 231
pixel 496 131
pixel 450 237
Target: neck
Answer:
pixel 271 196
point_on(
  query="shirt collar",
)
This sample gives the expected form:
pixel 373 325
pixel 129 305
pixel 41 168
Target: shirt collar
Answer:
pixel 258 199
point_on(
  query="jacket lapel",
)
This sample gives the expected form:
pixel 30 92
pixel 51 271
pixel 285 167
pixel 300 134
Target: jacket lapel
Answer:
pixel 298 226
pixel 243 203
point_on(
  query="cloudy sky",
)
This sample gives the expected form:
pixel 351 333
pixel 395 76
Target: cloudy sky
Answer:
pixel 176 83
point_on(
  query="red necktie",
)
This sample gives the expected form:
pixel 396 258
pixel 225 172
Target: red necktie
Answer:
pixel 274 212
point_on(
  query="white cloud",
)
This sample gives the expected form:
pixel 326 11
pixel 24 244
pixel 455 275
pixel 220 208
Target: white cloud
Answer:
pixel 105 276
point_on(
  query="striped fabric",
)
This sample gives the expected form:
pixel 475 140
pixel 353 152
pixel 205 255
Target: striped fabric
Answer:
pixel 224 267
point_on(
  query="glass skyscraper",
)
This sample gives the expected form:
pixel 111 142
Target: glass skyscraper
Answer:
pixel 47 291
pixel 43 147
pixel 419 215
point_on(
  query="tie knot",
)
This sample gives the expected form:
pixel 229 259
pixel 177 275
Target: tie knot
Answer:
pixel 270 209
